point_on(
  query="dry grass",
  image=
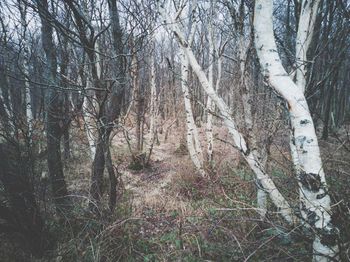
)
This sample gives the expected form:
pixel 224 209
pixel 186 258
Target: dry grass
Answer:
pixel 167 212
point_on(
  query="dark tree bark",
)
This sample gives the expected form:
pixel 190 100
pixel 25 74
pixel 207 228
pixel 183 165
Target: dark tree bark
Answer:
pixel 66 143
pixel 109 102
pixel 98 166
pixel 113 180
pixel 54 119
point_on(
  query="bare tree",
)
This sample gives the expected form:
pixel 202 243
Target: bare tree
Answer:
pixel 314 197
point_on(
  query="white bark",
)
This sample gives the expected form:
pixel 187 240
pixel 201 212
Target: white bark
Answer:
pixel 153 102
pixel 210 103
pixel 311 177
pixel 8 110
pixel 193 146
pixel 304 36
pixel 239 141
pixel 247 107
pixel 261 202
pixel 153 97
pixel 218 77
pixel 29 112
pixel 248 116
pixel 192 137
pixel 98 60
pixel 89 121
pixel 90 106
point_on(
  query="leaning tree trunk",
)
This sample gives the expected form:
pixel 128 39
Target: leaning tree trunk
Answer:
pixel 240 143
pixel 311 177
pixel 192 137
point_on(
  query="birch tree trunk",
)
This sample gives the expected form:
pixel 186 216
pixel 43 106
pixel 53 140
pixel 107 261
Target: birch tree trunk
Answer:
pixel 210 103
pixel 239 141
pixel 193 146
pixel 89 123
pixel 304 36
pixel 315 198
pixel 28 104
pixel 246 99
pixel 153 103
pixel 29 111
pixel 153 97
pixel 305 31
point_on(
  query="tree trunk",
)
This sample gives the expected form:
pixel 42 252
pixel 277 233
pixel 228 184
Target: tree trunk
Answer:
pixel 112 179
pixel 54 115
pixel 210 104
pixel 98 166
pixel 239 141
pixel 314 197
pixel 194 150
pixel 66 143
pixel 304 36
pixel 89 107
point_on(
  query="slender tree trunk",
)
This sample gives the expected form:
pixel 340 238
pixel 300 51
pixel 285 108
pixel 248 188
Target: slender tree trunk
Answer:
pixel 153 96
pixel 210 103
pixel 26 55
pixel 304 36
pixel 54 114
pixel 153 105
pixel 112 176
pixel 98 166
pixel 315 200
pixel 89 123
pixel 192 137
pixel 66 143
pixel 193 146
pixel 239 141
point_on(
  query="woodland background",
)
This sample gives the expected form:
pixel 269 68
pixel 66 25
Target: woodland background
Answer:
pixel 112 150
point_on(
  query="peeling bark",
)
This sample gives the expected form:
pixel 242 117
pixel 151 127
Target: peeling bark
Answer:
pixel 313 187
pixel 239 141
pixel 193 146
pixel 210 103
pixel 89 122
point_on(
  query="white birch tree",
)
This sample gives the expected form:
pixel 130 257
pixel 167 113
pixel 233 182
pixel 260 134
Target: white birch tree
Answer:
pixel 311 177
pixel 25 48
pixel 239 141
pixel 192 137
pixel 210 103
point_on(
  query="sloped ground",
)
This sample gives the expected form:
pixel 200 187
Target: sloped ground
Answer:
pixel 176 215
pixel 167 212
pixel 155 187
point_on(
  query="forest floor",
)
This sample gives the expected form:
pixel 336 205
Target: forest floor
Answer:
pixel 167 212
pixel 156 187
